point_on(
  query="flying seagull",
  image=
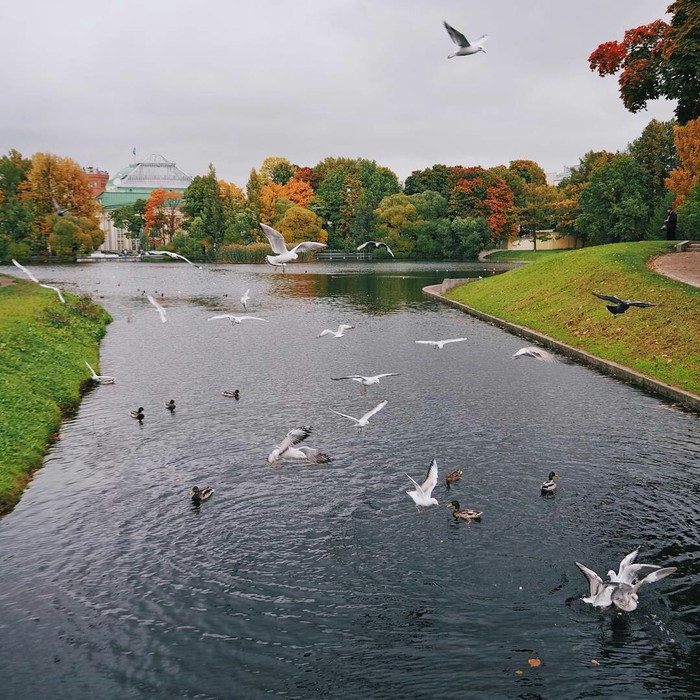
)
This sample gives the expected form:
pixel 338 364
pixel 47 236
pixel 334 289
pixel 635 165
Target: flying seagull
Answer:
pixel 60 211
pixel 537 353
pixel 282 255
pixel 336 334
pixel 620 305
pixel 99 378
pixel 34 279
pixel 465 48
pixel 176 256
pixel 440 344
pixel 163 313
pixel 629 572
pixel 245 298
pixel 288 449
pixel 236 319
pixel 423 493
pixel 365 381
pixel 376 244
pixel 364 420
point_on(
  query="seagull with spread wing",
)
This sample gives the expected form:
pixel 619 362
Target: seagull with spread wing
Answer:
pixel 288 449
pixel 364 420
pixel 175 256
pixel 236 319
pixel 336 334
pixel 245 299
pixel 99 378
pixel 619 306
pixel 365 381
pixel 537 353
pixel 163 313
pixel 376 244
pixel 34 279
pixel 422 495
pixel 282 255
pixel 465 48
pixel 440 344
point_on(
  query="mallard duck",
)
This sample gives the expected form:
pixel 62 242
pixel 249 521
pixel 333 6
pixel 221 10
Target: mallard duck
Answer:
pixel 451 477
pixel 549 485
pixel 170 405
pixel 138 414
pixel 464 513
pixel 231 394
pixel 198 495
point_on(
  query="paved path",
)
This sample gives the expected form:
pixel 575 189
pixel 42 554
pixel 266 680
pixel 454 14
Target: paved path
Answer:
pixel 684 267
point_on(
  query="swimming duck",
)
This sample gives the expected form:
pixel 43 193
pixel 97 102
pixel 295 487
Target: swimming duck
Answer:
pixel 451 477
pixel 549 485
pixel 232 394
pixel 170 405
pixel 198 495
pixel 138 414
pixel 464 513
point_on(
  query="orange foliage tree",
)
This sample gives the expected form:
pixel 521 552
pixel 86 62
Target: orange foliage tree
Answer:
pixel 682 179
pixel 163 216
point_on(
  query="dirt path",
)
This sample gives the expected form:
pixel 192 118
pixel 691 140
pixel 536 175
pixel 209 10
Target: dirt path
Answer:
pixel 684 267
pixel 5 281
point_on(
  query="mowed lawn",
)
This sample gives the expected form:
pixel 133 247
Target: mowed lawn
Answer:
pixel 554 295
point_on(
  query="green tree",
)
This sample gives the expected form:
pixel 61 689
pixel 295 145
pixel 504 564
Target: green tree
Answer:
pixel 529 171
pixel 613 205
pixel 203 200
pixel 130 218
pixel 689 214
pixel 17 214
pixel 277 169
pixel 470 237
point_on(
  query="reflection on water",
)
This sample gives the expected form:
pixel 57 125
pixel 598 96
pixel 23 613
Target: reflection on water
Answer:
pixel 324 581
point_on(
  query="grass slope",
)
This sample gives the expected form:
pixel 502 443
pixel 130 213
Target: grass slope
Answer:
pixel 553 295
pixel 43 346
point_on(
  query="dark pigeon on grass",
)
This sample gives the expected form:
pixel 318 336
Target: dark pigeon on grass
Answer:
pixel 620 305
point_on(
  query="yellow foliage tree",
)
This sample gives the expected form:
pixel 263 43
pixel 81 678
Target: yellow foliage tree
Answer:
pixel 299 224
pixel 682 178
pixel 298 191
pixel 270 192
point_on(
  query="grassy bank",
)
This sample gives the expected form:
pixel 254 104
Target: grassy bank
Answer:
pixel 522 255
pixel 43 346
pixel 553 295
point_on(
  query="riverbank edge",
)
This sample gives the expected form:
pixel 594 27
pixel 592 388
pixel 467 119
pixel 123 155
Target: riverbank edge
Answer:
pixel 679 396
pixel 52 420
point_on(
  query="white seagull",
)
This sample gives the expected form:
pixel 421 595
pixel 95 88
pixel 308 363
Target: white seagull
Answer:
pixel 537 353
pixel 236 319
pixel 364 420
pixel 376 244
pixel 163 313
pixel 336 334
pixel 288 450
pixel 365 381
pixel 629 572
pixel 99 378
pixel 423 493
pixel 440 344
pixel 282 255
pixel 245 298
pixel 465 48
pixel 34 279
pixel 177 256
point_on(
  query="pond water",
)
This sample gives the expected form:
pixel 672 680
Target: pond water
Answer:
pixel 309 581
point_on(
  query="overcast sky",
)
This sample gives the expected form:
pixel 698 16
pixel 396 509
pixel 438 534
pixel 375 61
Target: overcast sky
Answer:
pixel 232 82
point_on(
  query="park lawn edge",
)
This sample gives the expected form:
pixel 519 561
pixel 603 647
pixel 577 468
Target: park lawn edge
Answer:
pixel 43 348
pixel 554 296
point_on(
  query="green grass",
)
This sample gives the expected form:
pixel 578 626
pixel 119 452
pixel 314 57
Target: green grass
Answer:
pixel 553 295
pixel 43 348
pixel 522 255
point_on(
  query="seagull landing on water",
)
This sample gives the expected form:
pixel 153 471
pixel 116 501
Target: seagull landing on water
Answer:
pixel 336 334
pixel 99 378
pixel 176 256
pixel 288 450
pixel 537 353
pixel 465 48
pixel 34 279
pixel 621 305
pixel 245 299
pixel 376 244
pixel 365 381
pixel 364 420
pixel 163 313
pixel 236 319
pixel 440 344
pixel 282 255
pixel 423 493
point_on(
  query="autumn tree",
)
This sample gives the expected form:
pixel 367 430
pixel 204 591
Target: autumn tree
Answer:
pixel 163 216
pixel 396 215
pixel 277 169
pixel 657 60
pixel 686 175
pixel 529 171
pixel 299 224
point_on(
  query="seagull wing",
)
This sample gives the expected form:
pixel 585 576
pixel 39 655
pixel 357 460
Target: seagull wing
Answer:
pixel 376 409
pixel 94 374
pixel 182 257
pixel 307 246
pixel 350 376
pixel 607 297
pixel 275 238
pixel 315 456
pixel 415 483
pixel 481 40
pixel 595 583
pixel 453 340
pixel 26 272
pixel 345 415
pixel 294 437
pixel 430 479
pixel 250 318
pixel 364 245
pixel 653 576
pixel 387 374
pixel 632 573
pixel 388 249
pixel 344 327
pixel 327 331
pixel 427 342
pixel 456 36
pixel 220 316
pixel 55 289
pixel 160 309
